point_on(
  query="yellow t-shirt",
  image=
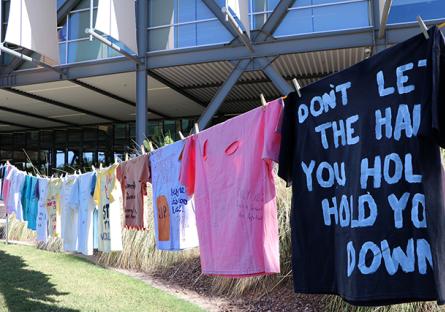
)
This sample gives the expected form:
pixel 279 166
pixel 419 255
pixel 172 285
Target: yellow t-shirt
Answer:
pixel 108 197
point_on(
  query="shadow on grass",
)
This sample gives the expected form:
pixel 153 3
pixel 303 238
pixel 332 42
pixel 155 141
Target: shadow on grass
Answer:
pixel 24 289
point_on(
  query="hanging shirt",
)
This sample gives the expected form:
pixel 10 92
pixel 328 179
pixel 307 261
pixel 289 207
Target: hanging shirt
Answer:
pixel 42 213
pixel 174 210
pixel 5 183
pixel 53 207
pixel 86 206
pixel 108 197
pixel 29 198
pixel 69 212
pixel 133 176
pixel 15 180
pixel 361 150
pixel 228 168
pixel 3 172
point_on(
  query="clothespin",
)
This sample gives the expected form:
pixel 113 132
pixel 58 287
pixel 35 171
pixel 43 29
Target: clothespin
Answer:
pixel 126 156
pixel 263 100
pixel 143 149
pixel 150 147
pixel 100 166
pixel 181 136
pixel 296 86
pixel 423 27
pixel 92 167
pixel 196 128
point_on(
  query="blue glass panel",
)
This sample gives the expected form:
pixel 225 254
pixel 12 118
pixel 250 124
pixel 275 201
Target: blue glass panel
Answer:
pixel 86 50
pixel 186 36
pixel 62 53
pixel 160 12
pixel 59 3
pixel 186 11
pixel 296 22
pixel 324 18
pixel 84 4
pixel 78 22
pixel 62 33
pixel 332 18
pixel 212 32
pixel 203 11
pixel 160 39
pixel 403 11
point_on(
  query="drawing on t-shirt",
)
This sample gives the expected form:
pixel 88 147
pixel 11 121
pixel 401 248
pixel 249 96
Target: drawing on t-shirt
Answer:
pixel 163 218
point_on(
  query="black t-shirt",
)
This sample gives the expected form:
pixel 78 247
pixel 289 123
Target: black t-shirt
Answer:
pixel 361 150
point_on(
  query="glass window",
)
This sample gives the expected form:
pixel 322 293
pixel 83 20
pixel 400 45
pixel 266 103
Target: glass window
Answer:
pixel 186 11
pixel 60 159
pixel 78 22
pixel 186 36
pixel 178 23
pixel 403 11
pixel 308 16
pixel 101 157
pixel 211 33
pixel 84 50
pixel 160 39
pixel 161 12
pixel 88 159
pixel 85 4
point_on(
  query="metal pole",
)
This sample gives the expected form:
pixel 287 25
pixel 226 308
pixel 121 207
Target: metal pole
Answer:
pixel 91 18
pixel 115 47
pixel 141 73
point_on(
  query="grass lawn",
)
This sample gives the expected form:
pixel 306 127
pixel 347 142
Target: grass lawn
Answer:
pixel 36 280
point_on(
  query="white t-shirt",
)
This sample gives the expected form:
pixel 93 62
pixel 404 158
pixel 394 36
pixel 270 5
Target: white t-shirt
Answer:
pixel 14 204
pixel 85 203
pixel 69 213
pixel 42 225
pixel 174 211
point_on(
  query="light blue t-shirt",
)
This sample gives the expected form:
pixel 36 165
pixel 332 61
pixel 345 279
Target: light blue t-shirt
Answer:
pixel 174 210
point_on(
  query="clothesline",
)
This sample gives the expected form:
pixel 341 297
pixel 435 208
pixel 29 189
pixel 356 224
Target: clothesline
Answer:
pixel 360 149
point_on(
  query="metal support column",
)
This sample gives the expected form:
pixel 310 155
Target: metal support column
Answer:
pixel 222 93
pixel 141 73
pixel 279 82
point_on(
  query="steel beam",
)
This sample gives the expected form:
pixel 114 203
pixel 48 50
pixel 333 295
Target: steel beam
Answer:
pixel 295 44
pixel 19 112
pixel 384 7
pixel 59 104
pixel 113 96
pixel 10 123
pixel 279 82
pixel 65 9
pixel 222 93
pixel 141 72
pixel 274 20
pixel 216 10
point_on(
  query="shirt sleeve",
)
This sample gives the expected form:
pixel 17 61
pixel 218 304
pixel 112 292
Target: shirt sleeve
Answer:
pixel 188 165
pixel 95 188
pixel 272 135
pixel 286 155
pixel 438 88
pixel 145 174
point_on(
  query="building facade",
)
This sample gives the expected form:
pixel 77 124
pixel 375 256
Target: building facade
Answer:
pixel 196 68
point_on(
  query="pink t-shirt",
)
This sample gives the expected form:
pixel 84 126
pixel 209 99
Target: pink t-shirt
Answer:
pixel 133 176
pixel 228 168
